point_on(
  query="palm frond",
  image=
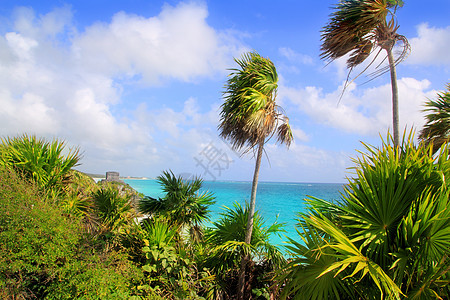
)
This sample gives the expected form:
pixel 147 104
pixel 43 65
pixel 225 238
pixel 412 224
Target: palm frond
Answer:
pixel 437 127
pixel 389 234
pixel 359 27
pixel 228 235
pixel 182 203
pixel 249 114
pixel 40 160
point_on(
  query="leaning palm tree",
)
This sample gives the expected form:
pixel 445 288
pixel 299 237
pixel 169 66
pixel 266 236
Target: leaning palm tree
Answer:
pixel 249 117
pixel 361 27
pixel 437 128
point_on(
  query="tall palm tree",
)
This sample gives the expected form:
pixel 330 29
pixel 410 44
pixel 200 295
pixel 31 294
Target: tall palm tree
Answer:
pixel 360 27
pixel 249 117
pixel 437 128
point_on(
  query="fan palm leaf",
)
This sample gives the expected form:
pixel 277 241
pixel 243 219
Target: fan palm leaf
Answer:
pixel 113 209
pixel 183 204
pixel 227 236
pixel 42 161
pixel 388 235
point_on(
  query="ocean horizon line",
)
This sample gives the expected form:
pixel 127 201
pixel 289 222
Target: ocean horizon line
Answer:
pixel 239 181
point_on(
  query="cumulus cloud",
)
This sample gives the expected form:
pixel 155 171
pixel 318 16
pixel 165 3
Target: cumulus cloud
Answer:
pixel 431 46
pixel 59 81
pixel 309 164
pixel 363 111
pixel 299 135
pixel 178 43
pixel 295 57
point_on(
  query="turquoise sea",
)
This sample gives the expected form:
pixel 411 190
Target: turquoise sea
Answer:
pixel 274 200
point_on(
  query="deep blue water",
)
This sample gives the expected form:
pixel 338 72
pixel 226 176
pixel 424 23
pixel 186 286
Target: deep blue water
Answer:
pixel 274 199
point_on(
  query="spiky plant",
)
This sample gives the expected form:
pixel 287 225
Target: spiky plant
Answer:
pixel 47 163
pixel 114 209
pixel 387 237
pixel 227 239
pixel 182 204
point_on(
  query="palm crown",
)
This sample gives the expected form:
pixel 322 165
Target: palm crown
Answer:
pixel 249 114
pixel 356 27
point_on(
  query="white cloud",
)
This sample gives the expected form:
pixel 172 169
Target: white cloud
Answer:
pixel 299 135
pixel 56 81
pixel 21 46
pixel 295 57
pixel 363 111
pixel 178 43
pixel 301 163
pixel 431 46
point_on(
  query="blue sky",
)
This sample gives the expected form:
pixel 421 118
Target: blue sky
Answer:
pixel 137 85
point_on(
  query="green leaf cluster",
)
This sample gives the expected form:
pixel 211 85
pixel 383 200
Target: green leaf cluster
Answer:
pixel 170 266
pixel 184 206
pixel 388 236
pixel 44 162
pixel 46 254
pixel 226 245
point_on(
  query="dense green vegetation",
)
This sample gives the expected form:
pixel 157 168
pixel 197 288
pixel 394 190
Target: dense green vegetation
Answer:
pixel 388 237
pixel 75 239
pixel 46 253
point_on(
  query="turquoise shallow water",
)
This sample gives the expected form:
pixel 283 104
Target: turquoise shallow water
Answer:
pixel 274 199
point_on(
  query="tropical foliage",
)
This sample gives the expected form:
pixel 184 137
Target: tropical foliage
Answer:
pixel 387 236
pixel 360 27
pixel 40 160
pixel 226 241
pixel 171 268
pixel 44 254
pixel 113 208
pixel 182 204
pixel 249 117
pixel 437 127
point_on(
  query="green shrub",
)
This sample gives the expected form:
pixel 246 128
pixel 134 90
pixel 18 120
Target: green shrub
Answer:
pixel 46 254
pixel 225 240
pixel 113 208
pixel 35 238
pixel 94 276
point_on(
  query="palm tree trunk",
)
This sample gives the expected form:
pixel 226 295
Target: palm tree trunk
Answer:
pixel 395 118
pixel 249 229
